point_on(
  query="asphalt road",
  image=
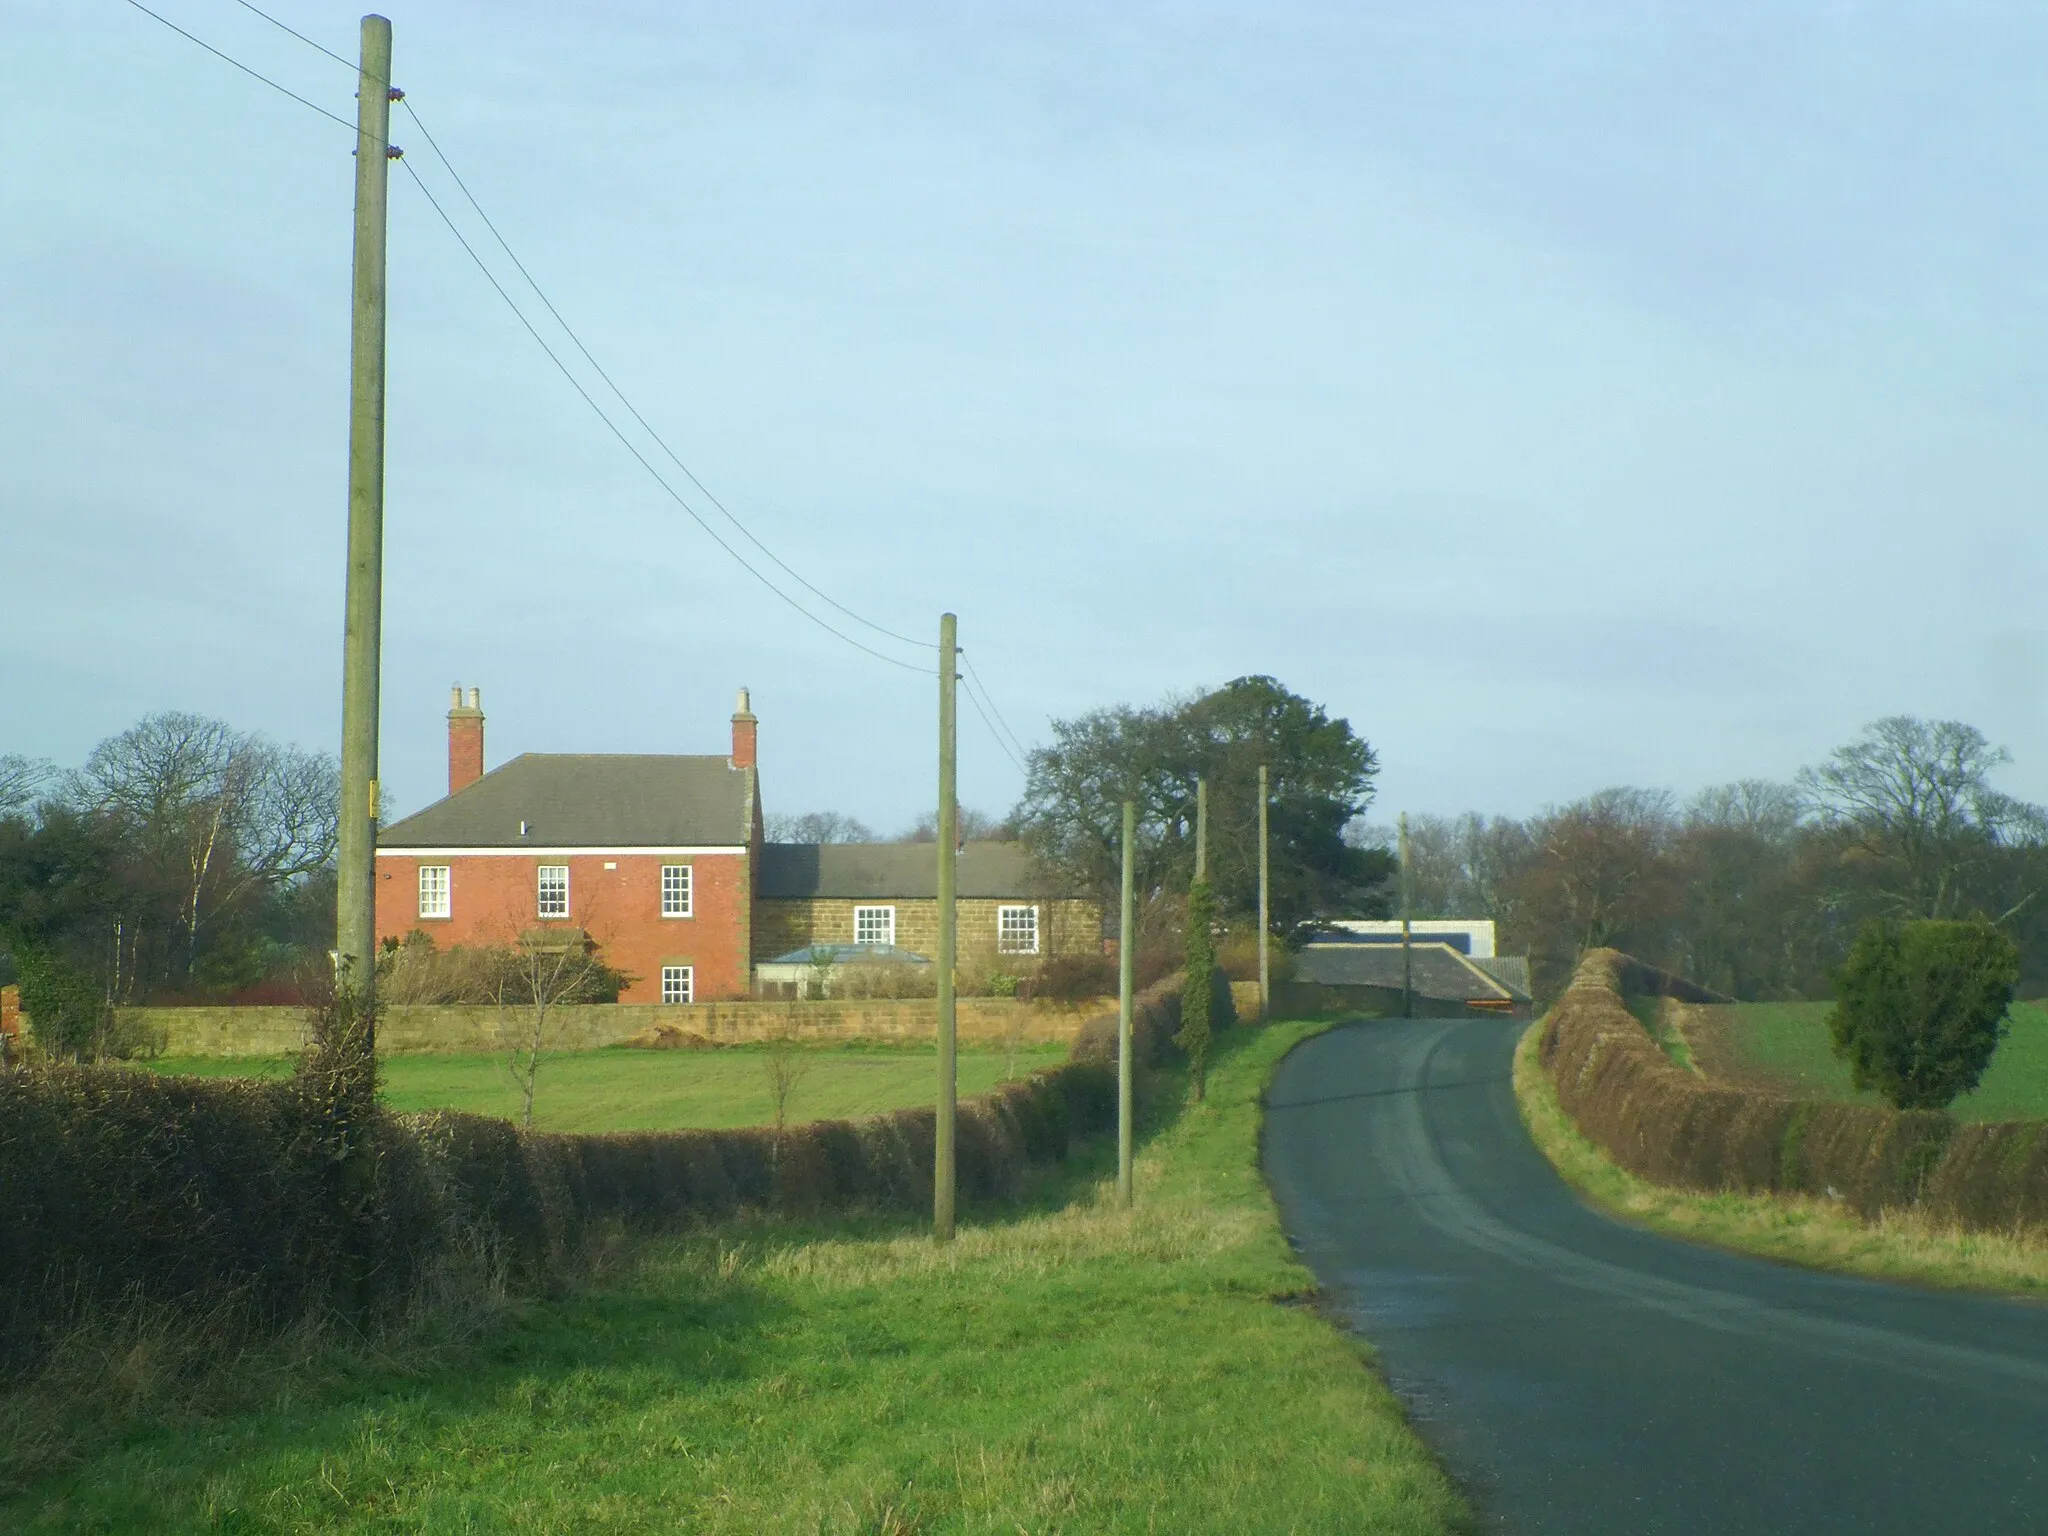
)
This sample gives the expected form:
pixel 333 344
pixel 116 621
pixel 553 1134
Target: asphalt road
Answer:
pixel 1579 1375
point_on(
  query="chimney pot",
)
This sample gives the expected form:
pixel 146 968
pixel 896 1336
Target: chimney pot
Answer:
pixel 745 734
pixel 465 741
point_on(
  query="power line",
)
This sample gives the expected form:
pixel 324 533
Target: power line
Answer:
pixel 245 69
pixel 253 10
pixel 626 442
pixel 1001 745
pixel 1015 740
pixel 577 341
pixel 995 735
pixel 556 359
pixel 633 410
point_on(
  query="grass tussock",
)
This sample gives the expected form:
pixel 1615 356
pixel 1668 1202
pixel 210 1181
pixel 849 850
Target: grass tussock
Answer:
pixel 1899 1244
pixel 1066 1365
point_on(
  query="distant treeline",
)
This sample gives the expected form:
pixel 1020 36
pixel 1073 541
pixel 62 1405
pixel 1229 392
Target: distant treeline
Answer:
pixel 183 859
pixel 1756 888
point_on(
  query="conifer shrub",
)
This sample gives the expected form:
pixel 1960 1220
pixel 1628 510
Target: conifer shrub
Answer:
pixel 1920 1008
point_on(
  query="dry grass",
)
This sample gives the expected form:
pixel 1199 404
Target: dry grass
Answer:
pixel 1795 1229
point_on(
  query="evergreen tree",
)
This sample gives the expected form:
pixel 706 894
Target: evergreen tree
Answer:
pixel 1921 1007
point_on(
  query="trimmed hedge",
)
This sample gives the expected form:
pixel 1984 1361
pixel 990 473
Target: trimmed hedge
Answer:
pixel 1155 1020
pixel 1667 1125
pixel 119 1187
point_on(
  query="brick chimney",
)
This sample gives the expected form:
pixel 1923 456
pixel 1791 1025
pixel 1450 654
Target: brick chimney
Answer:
pixel 744 727
pixel 465 739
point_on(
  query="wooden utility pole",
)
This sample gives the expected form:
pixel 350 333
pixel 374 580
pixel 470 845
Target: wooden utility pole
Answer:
pixel 1265 906
pixel 1201 829
pixel 943 1176
pixel 1126 970
pixel 356 889
pixel 1407 937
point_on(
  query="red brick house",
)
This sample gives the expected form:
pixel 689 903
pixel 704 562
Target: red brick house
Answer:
pixel 659 859
pixel 651 856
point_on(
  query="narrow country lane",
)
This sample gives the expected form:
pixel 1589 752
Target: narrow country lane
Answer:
pixel 1583 1376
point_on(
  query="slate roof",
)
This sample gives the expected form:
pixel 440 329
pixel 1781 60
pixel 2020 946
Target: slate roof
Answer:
pixel 907 871
pixel 584 800
pixel 1440 971
pixel 849 954
pixel 1511 971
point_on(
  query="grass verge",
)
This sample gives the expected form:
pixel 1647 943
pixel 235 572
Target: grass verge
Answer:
pixel 622 1089
pixel 1068 1366
pixel 1794 1229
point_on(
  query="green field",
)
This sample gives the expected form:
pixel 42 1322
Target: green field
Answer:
pixel 1065 1366
pixel 622 1089
pixel 1787 1045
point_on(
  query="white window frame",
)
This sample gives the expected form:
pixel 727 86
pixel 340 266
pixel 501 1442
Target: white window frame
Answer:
pixel 541 906
pixel 436 895
pixel 678 984
pixel 880 917
pixel 683 889
pixel 1003 932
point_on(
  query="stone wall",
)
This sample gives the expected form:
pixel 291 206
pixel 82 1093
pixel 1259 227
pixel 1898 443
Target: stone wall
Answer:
pixel 460 1028
pixel 1064 927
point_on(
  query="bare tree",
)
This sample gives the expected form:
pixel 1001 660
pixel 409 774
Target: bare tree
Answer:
pixel 975 827
pixel 213 814
pixel 1600 871
pixel 1461 866
pixel 815 827
pixel 540 973
pixel 1755 924
pixel 786 1063
pixel 21 782
pixel 1912 803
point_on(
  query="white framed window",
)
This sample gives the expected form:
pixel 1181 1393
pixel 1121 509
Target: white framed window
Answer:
pixel 434 890
pixel 678 983
pixel 874 925
pixel 554 890
pixel 675 890
pixel 1016 930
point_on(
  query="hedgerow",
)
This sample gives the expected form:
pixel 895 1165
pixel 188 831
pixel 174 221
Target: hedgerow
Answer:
pixel 1670 1126
pixel 124 1188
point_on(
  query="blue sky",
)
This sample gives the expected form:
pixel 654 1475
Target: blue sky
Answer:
pixel 1567 395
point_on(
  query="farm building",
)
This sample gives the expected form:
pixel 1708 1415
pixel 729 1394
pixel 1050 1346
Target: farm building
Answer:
pixel 1349 974
pixel 660 861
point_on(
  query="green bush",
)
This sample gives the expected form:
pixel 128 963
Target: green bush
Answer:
pixel 66 1009
pixel 1920 1008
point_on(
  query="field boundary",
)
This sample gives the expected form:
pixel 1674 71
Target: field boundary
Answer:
pixel 481 1028
pixel 1814 1233
pixel 1919 1173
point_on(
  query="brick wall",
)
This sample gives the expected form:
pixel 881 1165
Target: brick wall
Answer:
pixel 1064 927
pixel 458 1028
pixel 616 900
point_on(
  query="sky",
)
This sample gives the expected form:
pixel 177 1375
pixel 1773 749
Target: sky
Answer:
pixel 1566 395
